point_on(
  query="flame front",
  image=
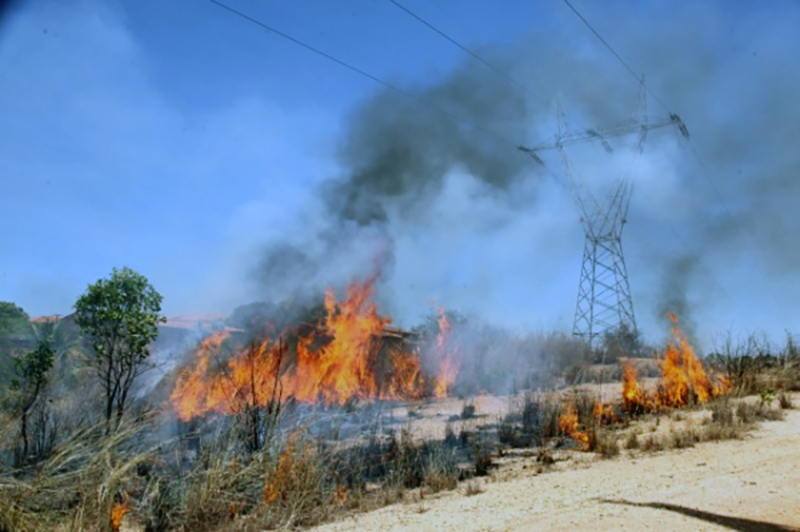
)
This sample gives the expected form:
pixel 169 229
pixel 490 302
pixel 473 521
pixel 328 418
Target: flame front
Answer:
pixel 194 394
pixel 683 379
pixel 568 423
pixel 448 361
pixel 347 366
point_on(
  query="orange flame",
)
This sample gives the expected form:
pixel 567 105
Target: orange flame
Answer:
pixel 568 422
pixel 118 511
pixel 634 397
pixel 448 362
pixel 603 413
pixel 683 379
pixel 340 495
pixel 348 365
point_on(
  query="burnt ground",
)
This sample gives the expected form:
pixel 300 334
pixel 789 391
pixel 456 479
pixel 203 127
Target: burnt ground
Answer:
pixel 748 484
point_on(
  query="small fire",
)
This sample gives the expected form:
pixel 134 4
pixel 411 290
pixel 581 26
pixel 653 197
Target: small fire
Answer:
pixel 118 511
pixel 683 380
pixel 603 413
pixel 340 495
pixel 343 360
pixel 568 423
pixel 634 398
pixel 448 362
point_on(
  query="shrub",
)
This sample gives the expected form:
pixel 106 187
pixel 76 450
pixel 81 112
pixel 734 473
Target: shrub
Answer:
pixel 722 412
pixel 785 401
pixel 682 439
pixel 472 488
pixel 652 443
pixel 749 413
pixel 606 444
pixel 468 412
pixel 632 440
pixel 715 432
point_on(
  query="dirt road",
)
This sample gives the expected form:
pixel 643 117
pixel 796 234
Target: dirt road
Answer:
pixel 752 484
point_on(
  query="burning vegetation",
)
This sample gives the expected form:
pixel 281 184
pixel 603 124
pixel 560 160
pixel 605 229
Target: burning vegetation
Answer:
pixel 342 359
pixel 263 462
pixel 683 382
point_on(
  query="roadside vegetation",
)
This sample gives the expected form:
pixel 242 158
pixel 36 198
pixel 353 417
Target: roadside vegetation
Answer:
pixel 82 450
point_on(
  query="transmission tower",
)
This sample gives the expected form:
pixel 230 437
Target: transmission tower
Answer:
pixel 604 295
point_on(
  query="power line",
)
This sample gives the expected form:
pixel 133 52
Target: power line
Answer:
pixel 655 96
pixel 390 86
pixel 394 88
pixel 357 70
pixel 632 72
pixel 527 90
pixel 704 171
pixel 477 57
pixel 461 46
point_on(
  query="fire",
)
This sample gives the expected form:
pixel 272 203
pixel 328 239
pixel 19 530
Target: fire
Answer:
pixel 348 365
pixel 118 511
pixel 634 397
pixel 568 423
pixel 603 413
pixel 448 362
pixel 683 379
pixel 193 394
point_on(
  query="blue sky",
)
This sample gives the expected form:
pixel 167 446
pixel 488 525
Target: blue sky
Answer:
pixel 178 139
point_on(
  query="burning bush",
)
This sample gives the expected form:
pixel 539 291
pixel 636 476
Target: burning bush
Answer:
pixel 341 360
pixel 683 381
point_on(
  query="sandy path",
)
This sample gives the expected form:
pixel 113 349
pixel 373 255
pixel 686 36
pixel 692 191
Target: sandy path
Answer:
pixel 752 484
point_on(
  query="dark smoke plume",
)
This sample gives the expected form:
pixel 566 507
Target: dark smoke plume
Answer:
pixel 395 157
pixel 674 296
pixel 736 201
pixel 398 152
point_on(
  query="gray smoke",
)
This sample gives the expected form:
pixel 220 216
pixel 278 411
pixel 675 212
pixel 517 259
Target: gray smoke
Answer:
pixel 396 155
pixel 398 152
pixel 674 295
pixel 739 104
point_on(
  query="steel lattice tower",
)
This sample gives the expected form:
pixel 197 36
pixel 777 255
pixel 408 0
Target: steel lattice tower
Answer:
pixel 604 295
pixel 604 292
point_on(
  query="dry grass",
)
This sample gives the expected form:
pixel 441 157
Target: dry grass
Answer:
pixel 472 488
pixel 78 487
pixel 606 444
pixel 749 413
pixel 293 481
pixel 298 480
pixel 531 422
pixel 729 420
pixel 785 401
pixel 632 440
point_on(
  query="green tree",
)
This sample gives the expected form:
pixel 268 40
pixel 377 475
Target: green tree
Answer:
pixel 29 382
pixel 15 333
pixel 14 322
pixel 119 318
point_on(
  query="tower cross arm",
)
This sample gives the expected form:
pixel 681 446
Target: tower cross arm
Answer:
pixel 605 132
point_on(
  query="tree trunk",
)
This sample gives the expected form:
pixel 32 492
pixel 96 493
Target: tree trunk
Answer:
pixel 24 431
pixel 109 397
pixel 123 395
